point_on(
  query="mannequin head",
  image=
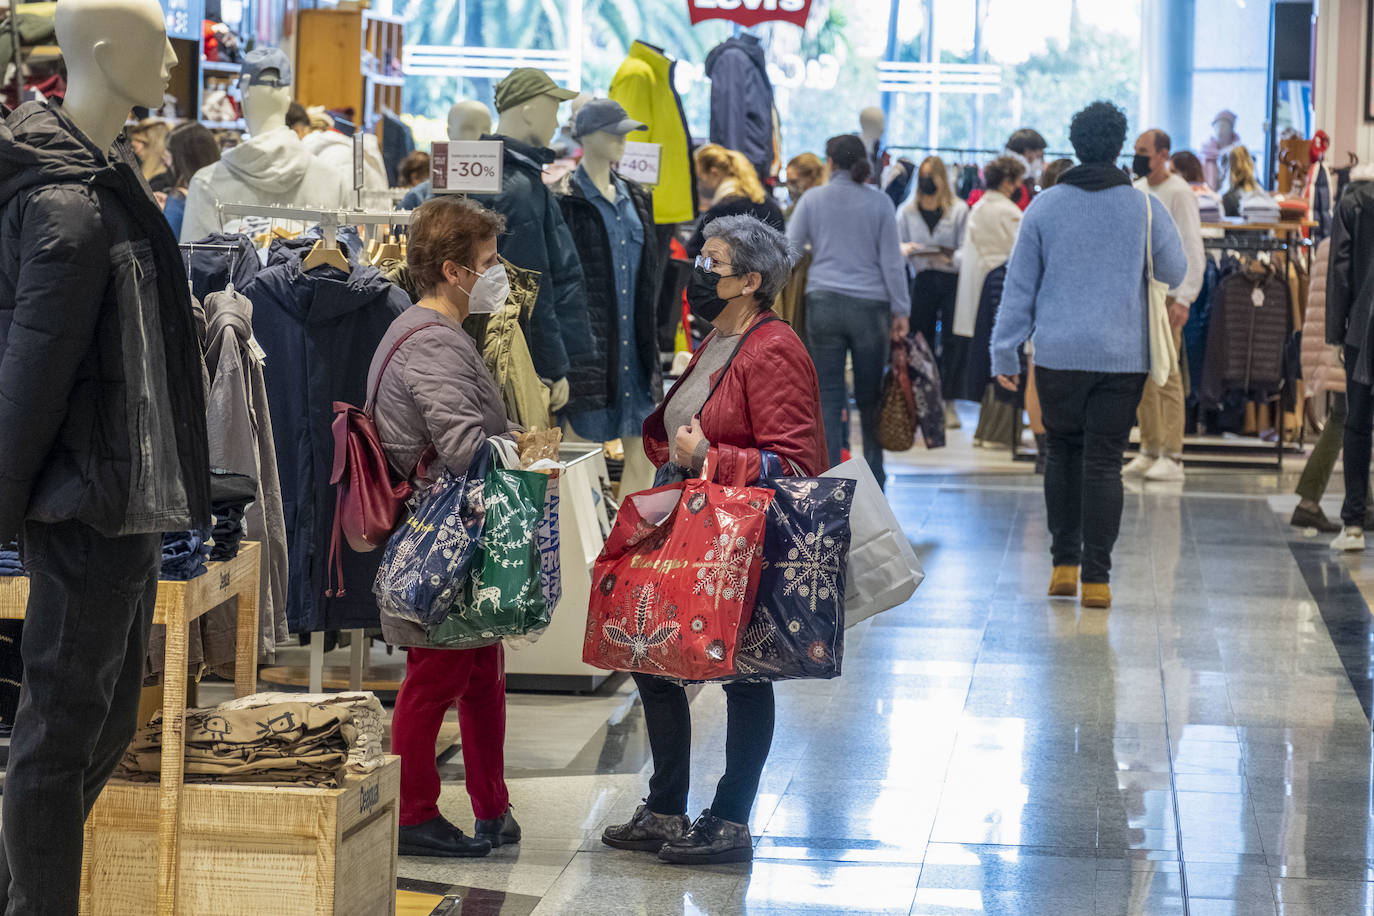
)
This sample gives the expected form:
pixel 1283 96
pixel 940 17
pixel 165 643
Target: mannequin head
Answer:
pixel 468 120
pixel 603 146
pixel 528 101
pixel 264 107
pixel 872 122
pixel 533 122
pixel 1224 128
pixel 117 56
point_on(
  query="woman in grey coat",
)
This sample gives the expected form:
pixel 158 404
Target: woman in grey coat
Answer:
pixel 437 401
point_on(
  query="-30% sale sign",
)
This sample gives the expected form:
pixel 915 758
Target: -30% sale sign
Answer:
pixel 466 167
pixel 640 162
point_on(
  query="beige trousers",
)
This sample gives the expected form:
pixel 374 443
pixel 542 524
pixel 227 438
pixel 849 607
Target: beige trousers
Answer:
pixel 1161 414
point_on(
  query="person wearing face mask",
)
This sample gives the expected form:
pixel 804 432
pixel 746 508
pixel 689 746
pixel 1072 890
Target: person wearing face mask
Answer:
pixel 931 229
pixel 1029 146
pixel 436 398
pixel 750 387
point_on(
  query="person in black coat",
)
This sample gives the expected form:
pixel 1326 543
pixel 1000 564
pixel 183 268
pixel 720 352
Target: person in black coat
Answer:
pixel 736 191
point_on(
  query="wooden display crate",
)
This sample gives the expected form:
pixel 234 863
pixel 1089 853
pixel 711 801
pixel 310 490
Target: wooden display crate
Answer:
pixel 249 851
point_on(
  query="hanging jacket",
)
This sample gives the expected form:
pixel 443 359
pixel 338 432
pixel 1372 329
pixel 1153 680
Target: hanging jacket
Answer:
pixel 241 439
pixel 1321 362
pixel 536 238
pixel 741 99
pixel 102 403
pixel 1246 341
pixel 318 329
pixel 507 354
pixel 767 399
pixel 972 383
pixel 213 267
pixel 989 234
pixel 271 168
pixel 1350 273
pixel 335 150
pixel 643 85
pixel 594 250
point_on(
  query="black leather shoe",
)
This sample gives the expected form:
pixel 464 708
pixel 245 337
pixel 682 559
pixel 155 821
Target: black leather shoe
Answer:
pixel 711 841
pixel 646 831
pixel 499 831
pixel 1314 518
pixel 437 838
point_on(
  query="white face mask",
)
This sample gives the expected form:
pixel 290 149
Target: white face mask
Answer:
pixel 490 291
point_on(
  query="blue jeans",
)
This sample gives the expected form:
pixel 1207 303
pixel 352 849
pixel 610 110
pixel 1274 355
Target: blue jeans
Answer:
pixel 837 326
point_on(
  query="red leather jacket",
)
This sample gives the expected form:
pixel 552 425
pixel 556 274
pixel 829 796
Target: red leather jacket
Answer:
pixel 769 400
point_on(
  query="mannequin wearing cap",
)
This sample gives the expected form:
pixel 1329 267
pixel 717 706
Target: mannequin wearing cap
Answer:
pixel 1216 151
pixel 612 222
pixel 272 167
pixel 96 305
pixel 536 237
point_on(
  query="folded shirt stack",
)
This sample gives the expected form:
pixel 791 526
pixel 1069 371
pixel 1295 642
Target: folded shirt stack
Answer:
pixel 184 554
pixel 10 564
pixel 286 744
pixel 367 752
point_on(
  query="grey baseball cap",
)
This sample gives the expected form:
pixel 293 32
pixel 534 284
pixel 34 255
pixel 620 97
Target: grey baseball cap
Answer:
pixel 258 61
pixel 604 114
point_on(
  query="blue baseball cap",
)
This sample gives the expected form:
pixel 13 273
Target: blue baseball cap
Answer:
pixel 257 63
pixel 604 114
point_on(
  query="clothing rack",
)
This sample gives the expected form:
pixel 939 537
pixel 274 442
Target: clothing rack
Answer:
pixel 329 221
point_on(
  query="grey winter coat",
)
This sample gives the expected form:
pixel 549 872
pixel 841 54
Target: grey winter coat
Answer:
pixel 436 390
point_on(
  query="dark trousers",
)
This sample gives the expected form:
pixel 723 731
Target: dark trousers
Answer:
pixel 1359 427
pixel 838 326
pixel 91 601
pixel 1088 418
pixel 748 736
pixel 436 680
pixel 933 293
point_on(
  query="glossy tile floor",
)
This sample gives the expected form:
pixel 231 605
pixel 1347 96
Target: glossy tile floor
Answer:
pixel 1201 748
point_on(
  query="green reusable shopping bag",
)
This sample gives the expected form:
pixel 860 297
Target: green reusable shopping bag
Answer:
pixel 504 594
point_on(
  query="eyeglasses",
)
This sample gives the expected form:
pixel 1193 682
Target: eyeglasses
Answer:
pixel 709 264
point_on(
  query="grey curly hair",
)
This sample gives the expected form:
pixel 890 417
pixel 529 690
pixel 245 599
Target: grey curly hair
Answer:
pixel 755 247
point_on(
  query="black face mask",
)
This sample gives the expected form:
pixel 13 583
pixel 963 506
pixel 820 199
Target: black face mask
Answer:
pixel 1140 165
pixel 926 184
pixel 703 295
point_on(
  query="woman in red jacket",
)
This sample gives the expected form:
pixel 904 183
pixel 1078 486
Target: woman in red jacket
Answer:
pixel 750 387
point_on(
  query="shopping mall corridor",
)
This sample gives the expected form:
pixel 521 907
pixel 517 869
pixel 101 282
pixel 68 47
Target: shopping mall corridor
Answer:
pixel 1201 748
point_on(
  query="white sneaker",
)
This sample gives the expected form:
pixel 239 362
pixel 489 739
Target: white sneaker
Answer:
pixel 952 420
pixel 1139 465
pixel 1350 539
pixel 1165 469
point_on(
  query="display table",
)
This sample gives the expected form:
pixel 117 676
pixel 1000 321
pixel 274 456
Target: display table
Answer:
pixel 178 603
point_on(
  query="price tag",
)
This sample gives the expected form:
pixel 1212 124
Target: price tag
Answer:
pixel 358 155
pixel 466 167
pixel 640 162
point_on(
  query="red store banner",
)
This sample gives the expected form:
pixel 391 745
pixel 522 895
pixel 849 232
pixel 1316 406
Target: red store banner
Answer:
pixel 750 12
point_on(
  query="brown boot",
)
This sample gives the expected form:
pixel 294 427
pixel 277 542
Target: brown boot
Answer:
pixel 1064 582
pixel 1097 594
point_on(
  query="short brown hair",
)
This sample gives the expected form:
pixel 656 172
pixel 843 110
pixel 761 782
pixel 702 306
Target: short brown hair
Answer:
pixel 1001 169
pixel 414 169
pixel 1188 167
pixel 447 229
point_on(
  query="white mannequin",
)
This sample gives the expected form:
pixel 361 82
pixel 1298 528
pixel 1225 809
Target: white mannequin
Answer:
pixel 599 149
pixel 533 122
pixel 468 120
pixel 106 77
pixel 872 123
pixel 272 167
pixel 264 107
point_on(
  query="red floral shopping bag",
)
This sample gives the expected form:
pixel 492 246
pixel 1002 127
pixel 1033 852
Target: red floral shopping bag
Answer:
pixel 674 586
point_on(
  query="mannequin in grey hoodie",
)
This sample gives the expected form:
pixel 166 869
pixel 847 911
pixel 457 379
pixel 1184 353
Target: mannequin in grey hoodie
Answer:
pixel 273 167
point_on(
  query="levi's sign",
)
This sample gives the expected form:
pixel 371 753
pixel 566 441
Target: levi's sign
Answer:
pixel 466 167
pixel 640 162
pixel 750 12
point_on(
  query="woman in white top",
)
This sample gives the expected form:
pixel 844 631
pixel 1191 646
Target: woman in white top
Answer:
pixel 930 226
pixel 988 239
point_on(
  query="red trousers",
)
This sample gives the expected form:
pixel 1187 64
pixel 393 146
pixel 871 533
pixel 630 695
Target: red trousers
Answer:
pixel 436 679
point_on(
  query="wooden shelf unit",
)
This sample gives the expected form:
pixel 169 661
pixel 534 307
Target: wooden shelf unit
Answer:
pixel 350 59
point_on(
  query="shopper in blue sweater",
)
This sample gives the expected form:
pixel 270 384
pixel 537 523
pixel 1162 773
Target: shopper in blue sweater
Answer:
pixel 1076 286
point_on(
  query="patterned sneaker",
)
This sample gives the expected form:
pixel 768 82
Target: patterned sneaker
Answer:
pixel 646 831
pixel 711 841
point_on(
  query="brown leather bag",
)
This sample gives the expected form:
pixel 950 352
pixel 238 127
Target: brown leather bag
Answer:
pixel 897 407
pixel 367 501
